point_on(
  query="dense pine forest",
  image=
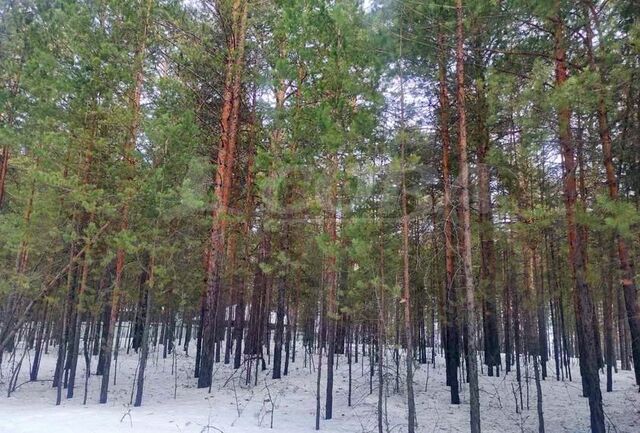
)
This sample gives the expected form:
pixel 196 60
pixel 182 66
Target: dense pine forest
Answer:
pixel 388 215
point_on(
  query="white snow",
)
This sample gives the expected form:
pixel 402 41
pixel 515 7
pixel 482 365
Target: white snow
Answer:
pixel 31 408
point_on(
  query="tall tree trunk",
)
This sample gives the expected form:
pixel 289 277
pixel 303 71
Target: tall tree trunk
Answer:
pixel 406 290
pixel 625 260
pixel 533 346
pixel 229 125
pixel 381 340
pixel 474 390
pixel 607 310
pixel 106 318
pixel 452 350
pixel 144 343
pixel 258 300
pixel 582 299
pixel 540 411
pixel 278 335
pixel 543 346
pixel 282 226
pixel 232 266
pixel 141 310
pixel 506 311
pixel 622 331
pixel 331 279
pixel 57 377
pixel 128 148
pixel 83 220
pixel 488 262
pixel 80 317
pixel 42 335
pixel 239 322
pixel 552 285
pixel 320 315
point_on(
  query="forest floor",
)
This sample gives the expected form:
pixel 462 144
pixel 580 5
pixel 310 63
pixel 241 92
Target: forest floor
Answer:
pixel 232 407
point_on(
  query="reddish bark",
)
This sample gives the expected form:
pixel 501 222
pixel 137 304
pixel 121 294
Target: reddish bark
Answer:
pixel 625 261
pixel 229 123
pixel 583 303
pixel 488 262
pixel 449 298
pixel 474 391
pixel 128 148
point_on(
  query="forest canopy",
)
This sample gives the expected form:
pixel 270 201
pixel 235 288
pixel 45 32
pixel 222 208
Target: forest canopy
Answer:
pixel 248 183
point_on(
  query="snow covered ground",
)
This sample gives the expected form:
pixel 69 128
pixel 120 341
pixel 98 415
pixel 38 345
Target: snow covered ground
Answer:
pixel 232 407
